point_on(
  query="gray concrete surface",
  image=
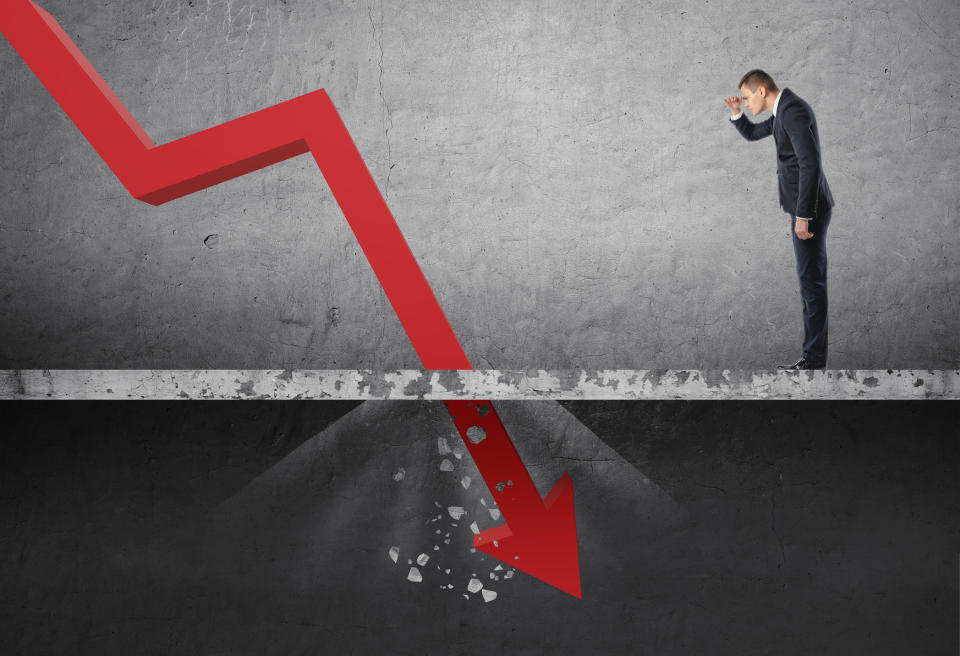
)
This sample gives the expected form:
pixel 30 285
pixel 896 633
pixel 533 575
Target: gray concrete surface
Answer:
pixel 565 174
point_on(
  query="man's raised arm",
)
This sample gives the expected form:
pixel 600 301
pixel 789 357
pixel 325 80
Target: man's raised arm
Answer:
pixel 751 131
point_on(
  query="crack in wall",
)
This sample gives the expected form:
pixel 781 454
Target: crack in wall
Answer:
pixel 387 114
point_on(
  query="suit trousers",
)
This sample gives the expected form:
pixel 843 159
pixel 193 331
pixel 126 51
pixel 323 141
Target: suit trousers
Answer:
pixel 811 255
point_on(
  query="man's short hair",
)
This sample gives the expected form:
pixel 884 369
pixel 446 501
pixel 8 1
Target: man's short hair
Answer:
pixel 755 78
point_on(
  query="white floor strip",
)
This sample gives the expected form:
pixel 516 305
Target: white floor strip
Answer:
pixel 240 384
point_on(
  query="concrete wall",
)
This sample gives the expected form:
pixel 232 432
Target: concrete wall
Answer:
pixel 564 172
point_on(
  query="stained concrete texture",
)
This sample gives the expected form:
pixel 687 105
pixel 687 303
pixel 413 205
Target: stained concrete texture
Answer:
pixel 565 175
pixel 415 384
pixel 173 528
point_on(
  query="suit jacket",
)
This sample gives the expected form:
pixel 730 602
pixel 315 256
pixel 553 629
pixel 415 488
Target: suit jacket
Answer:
pixel 804 191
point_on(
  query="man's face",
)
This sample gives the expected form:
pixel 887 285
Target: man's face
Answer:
pixel 753 99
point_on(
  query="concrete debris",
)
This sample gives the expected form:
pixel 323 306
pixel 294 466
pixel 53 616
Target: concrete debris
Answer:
pixel 446 465
pixel 394 553
pixel 400 475
pixel 474 528
pixel 476 434
pixel 465 482
pixel 474 586
pixel 498 568
pixel 494 513
pixel 489 595
pixel 415 575
pixel 458 454
pixel 422 559
pixel 509 575
pixel 442 446
pixel 456 511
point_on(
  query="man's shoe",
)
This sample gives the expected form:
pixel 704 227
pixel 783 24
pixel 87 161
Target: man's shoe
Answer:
pixel 802 363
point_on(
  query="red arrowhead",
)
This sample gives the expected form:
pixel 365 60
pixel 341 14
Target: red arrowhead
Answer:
pixel 540 536
pixel 546 547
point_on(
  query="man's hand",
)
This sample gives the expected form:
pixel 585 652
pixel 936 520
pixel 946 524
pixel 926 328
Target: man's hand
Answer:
pixel 733 102
pixel 803 229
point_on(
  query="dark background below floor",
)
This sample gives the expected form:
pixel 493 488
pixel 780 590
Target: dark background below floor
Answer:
pixel 814 527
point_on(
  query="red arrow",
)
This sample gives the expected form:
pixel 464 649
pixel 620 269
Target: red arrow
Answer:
pixel 159 174
pixel 540 537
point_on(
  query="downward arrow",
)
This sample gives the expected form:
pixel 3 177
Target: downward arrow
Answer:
pixel 540 536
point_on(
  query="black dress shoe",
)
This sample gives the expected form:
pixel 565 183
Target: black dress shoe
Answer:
pixel 802 363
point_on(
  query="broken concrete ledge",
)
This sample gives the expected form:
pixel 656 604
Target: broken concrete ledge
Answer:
pixel 413 384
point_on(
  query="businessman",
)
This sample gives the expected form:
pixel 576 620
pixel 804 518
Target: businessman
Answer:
pixel 804 195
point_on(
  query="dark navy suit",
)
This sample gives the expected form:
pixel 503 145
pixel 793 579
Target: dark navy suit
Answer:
pixel 804 193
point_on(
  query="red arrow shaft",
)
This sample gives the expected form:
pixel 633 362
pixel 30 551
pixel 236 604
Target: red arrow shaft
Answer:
pixel 158 174
pixel 499 463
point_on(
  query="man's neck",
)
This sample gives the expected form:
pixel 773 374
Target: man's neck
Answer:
pixel 772 100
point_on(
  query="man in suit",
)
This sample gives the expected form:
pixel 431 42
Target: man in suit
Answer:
pixel 804 195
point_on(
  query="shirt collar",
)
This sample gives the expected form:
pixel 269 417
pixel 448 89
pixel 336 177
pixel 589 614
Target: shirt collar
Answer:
pixel 777 102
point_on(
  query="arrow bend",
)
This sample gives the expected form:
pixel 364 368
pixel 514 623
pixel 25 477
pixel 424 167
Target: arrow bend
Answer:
pixel 540 535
